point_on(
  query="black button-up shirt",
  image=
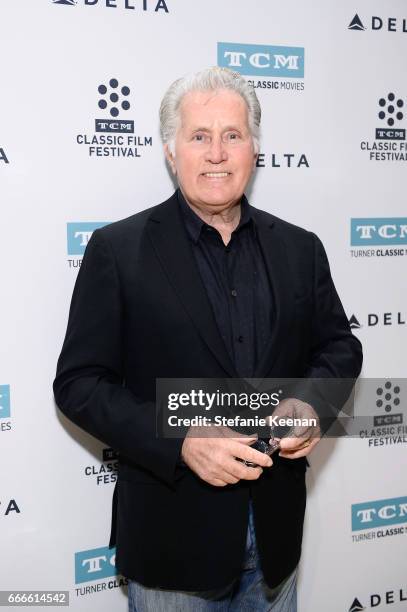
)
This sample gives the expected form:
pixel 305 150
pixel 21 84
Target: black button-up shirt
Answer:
pixel 237 283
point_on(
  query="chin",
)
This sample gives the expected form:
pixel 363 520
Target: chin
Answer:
pixel 219 199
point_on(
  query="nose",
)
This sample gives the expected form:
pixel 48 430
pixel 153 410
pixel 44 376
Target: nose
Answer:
pixel 216 151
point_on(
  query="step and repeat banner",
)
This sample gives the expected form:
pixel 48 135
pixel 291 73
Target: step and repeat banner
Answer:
pixel 81 82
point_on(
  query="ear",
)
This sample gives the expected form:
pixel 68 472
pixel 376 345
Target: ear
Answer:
pixel 170 158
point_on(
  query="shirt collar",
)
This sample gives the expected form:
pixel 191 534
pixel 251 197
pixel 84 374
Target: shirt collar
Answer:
pixel 194 223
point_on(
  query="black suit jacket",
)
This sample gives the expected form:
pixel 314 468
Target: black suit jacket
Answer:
pixel 140 311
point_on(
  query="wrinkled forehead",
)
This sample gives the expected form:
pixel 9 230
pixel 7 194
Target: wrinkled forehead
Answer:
pixel 209 107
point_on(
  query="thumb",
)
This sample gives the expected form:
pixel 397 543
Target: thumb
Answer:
pixel 288 443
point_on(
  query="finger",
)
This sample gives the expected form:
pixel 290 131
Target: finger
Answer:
pixel 300 431
pixel 234 476
pixel 217 482
pixel 222 466
pixel 237 469
pixel 245 439
pixel 250 454
pixel 303 452
pixel 251 473
pixel 292 444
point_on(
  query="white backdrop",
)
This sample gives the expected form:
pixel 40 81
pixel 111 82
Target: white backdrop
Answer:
pixel 55 482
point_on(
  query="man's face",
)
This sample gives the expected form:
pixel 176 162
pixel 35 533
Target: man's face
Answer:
pixel 214 154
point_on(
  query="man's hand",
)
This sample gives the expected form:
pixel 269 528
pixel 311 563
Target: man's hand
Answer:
pixel 301 440
pixel 212 456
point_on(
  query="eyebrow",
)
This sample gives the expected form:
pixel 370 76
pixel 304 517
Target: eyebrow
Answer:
pixel 200 129
pixel 206 129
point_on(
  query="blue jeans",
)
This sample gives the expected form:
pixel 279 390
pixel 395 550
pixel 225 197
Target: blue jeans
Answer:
pixel 249 593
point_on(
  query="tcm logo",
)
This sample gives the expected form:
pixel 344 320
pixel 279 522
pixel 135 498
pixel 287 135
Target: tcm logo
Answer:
pixel 378 231
pixel 78 235
pixel 109 454
pixel 388 397
pixel 105 472
pixel 4 401
pixel 113 134
pixel 262 60
pixel 379 513
pixel 95 564
pixel 391 112
pixel 114 98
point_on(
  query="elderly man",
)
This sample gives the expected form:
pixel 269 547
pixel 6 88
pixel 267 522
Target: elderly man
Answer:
pixel 202 286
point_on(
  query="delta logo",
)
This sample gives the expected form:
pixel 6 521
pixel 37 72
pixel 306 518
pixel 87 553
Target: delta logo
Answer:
pixel 376 23
pixel 156 6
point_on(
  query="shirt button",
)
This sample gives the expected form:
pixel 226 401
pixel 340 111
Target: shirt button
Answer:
pixel 240 339
pixel 233 292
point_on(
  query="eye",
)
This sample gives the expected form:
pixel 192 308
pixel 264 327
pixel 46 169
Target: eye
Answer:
pixel 232 136
pixel 198 137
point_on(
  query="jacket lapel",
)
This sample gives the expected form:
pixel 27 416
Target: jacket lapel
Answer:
pixel 171 244
pixel 277 264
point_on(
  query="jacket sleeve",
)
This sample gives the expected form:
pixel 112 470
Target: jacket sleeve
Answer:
pixel 335 357
pixel 89 386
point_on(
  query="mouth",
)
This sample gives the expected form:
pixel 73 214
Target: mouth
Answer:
pixel 216 175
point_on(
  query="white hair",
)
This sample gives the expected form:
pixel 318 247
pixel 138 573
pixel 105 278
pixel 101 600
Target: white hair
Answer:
pixel 211 79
